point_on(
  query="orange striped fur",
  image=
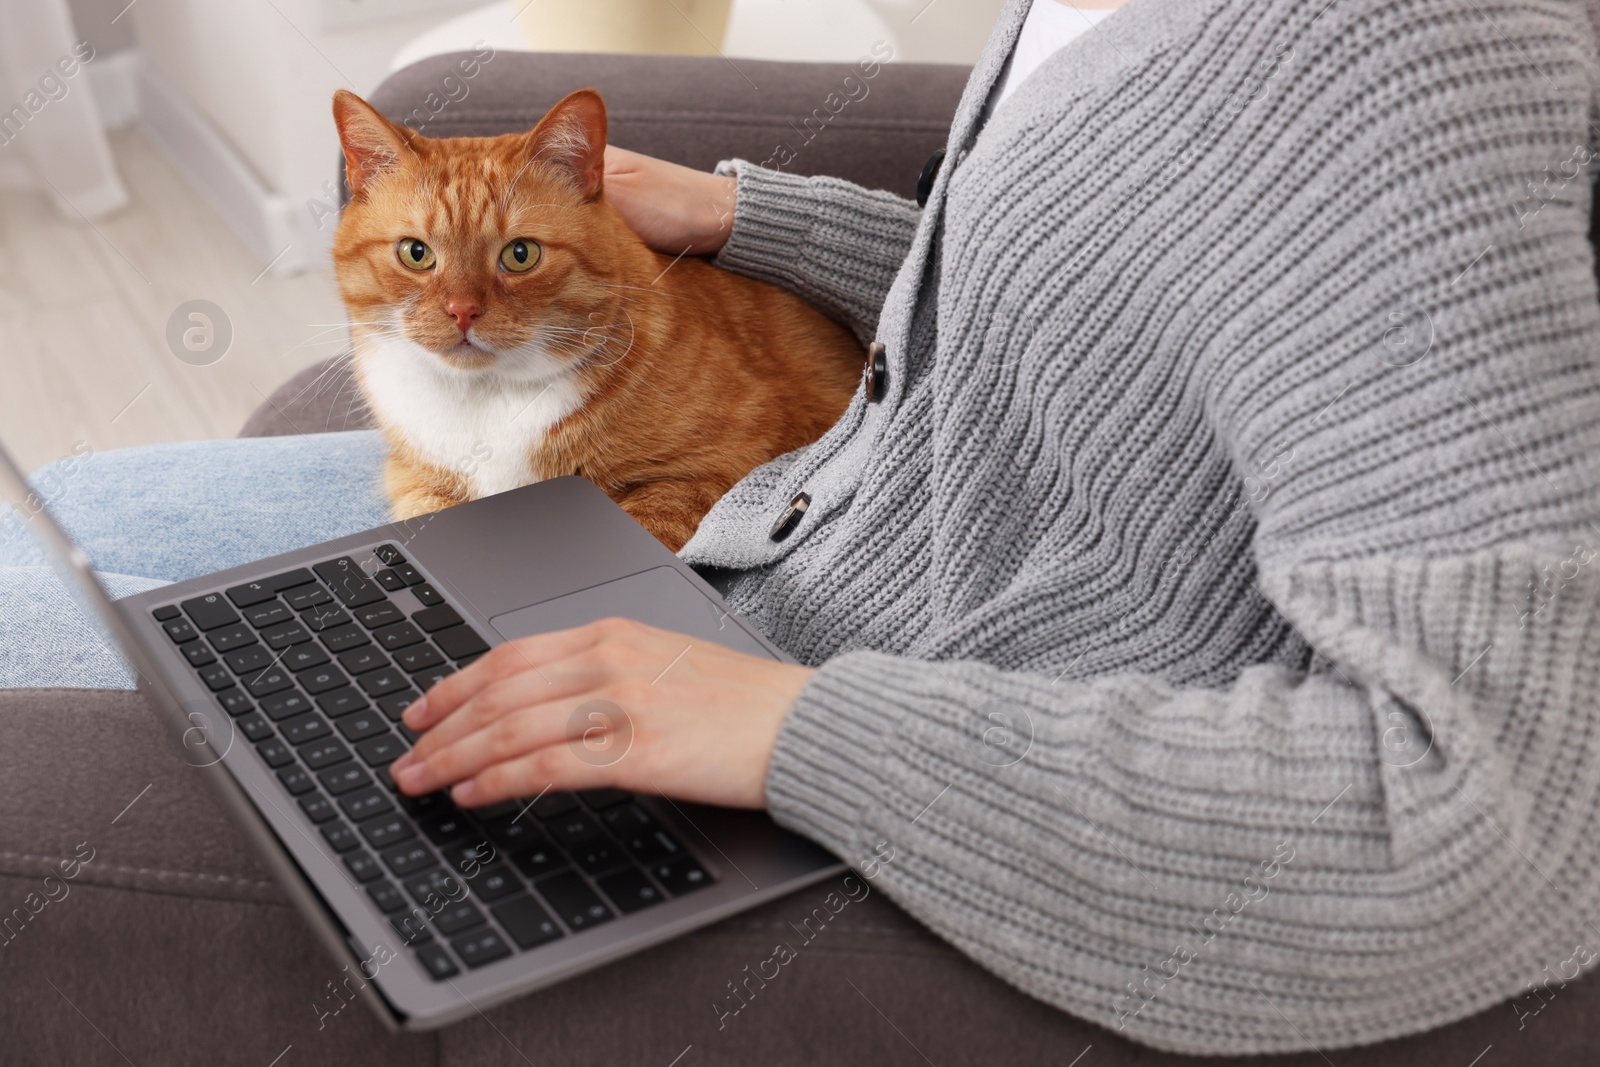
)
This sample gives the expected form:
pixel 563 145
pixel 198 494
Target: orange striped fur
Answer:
pixel 664 382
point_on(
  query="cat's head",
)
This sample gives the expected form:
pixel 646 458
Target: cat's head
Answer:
pixel 479 254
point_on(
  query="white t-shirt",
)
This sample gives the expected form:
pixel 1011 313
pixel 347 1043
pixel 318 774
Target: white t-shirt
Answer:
pixel 1048 27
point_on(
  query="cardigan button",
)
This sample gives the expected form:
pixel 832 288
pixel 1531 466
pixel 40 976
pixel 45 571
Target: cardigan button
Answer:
pixel 875 376
pixel 791 516
pixel 930 171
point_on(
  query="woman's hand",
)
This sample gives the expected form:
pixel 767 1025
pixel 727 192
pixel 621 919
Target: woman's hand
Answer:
pixel 613 703
pixel 676 210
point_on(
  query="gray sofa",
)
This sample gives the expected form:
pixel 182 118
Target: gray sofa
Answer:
pixel 172 946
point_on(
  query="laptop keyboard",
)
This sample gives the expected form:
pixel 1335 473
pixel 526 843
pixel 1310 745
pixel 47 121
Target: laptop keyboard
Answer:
pixel 316 666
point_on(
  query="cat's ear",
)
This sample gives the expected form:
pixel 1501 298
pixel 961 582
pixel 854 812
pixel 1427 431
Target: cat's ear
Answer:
pixel 572 135
pixel 372 144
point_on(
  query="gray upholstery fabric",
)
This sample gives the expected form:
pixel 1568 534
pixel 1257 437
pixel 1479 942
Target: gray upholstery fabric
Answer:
pixel 171 946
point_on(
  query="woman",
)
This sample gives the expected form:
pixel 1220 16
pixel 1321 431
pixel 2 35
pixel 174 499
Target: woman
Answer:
pixel 1199 605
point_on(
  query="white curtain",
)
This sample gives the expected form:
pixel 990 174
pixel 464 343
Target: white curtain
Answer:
pixel 50 128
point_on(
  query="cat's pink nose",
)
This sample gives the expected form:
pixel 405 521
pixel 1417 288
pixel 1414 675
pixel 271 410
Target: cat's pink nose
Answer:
pixel 464 311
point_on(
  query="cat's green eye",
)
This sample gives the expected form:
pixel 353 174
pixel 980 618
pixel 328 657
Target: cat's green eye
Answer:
pixel 519 256
pixel 415 255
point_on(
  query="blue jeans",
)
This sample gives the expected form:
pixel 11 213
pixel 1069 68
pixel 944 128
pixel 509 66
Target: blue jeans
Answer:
pixel 156 514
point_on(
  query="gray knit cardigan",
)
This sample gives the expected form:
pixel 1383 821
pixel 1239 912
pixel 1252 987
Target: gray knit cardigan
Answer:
pixel 1207 614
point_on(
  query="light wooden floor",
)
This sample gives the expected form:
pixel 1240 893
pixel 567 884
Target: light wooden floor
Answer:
pixel 83 318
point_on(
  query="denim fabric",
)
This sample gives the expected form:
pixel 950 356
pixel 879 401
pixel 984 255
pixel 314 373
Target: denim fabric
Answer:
pixel 156 514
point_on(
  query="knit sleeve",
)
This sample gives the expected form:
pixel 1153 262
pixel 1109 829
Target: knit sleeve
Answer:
pixel 836 245
pixel 1393 346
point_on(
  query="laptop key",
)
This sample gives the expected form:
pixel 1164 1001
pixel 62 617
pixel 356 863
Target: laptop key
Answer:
pixel 681 876
pixel 322 754
pixel 285 635
pixel 376 615
pixel 382 683
pixel 437 962
pixel 526 921
pixel 270 614
pixel 598 856
pixel 380 751
pixel 430 678
pixel 307 727
pixel 514 832
pixel 390 830
pixel 304 658
pixel 216 676
pixel 272 680
pixel 601 799
pixel 437 617
pixel 573 901
pixel 553 805
pixel 411 927
pixel 467 857
pixel 275 753
pixel 252 593
pixel 231 637
pixel 285 705
pixel 409 574
pixel 365 803
pixel 166 613
pixel 248 659
pixel 418 658
pixel 210 611
pixel 493 882
pixel 428 595
pixel 458 642
pixel 478 950
pixel 361 660
pixel 353 588
pixel 395 704
pixel 321 679
pixel 234 701
pixel 318 808
pixel 180 631
pixel 390 581
pixel 436 888
pixel 453 919
pixel 387 896
pixel 363 866
pixel 574 829
pixel 388 555
pixel 325 617
pixel 630 890
pixel 446 826
pixel 342 779
pixel 536 861
pixel 397 636
pixel 407 859
pixel 341 701
pixel 363 724
pixel 308 596
pixel 197 653
pixel 296 780
pixel 255 728
pixel 340 837
pixel 345 637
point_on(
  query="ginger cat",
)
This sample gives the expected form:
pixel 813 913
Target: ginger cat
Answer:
pixel 509 327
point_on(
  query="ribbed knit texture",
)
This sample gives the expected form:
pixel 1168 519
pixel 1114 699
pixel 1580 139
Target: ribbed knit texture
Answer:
pixel 1237 393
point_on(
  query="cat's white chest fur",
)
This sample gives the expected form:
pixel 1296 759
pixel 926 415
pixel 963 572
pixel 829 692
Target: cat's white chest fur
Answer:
pixel 484 427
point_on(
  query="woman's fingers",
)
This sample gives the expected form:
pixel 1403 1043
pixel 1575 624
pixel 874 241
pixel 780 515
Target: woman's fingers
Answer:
pixel 525 730
pixel 555 767
pixel 527 654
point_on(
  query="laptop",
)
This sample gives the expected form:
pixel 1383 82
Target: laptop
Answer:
pixel 284 681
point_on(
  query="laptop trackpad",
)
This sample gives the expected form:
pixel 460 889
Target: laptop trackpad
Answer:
pixel 658 597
